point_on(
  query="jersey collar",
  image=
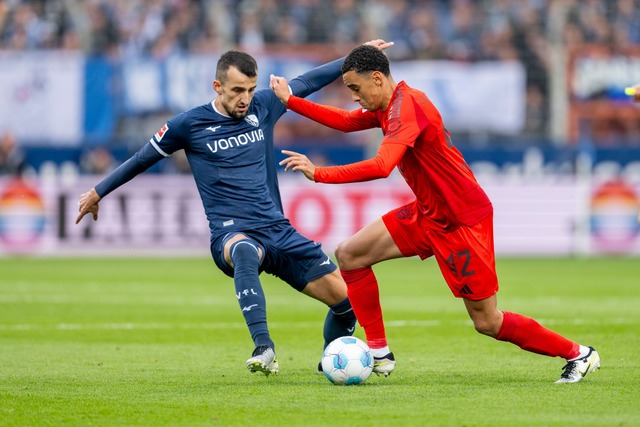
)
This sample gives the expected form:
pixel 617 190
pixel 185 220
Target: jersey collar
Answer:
pixel 213 105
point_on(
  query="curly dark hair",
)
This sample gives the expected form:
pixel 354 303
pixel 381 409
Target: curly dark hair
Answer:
pixel 241 60
pixel 364 59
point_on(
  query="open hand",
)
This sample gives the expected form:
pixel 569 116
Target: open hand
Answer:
pixel 379 43
pixel 298 163
pixel 88 203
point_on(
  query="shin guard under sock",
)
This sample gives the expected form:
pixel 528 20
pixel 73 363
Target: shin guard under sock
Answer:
pixel 340 321
pixel 363 292
pixel 246 262
pixel 530 335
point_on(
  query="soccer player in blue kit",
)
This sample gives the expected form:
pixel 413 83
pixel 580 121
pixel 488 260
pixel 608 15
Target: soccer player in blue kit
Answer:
pixel 229 145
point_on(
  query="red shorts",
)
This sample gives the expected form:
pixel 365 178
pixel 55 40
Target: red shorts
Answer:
pixel 465 255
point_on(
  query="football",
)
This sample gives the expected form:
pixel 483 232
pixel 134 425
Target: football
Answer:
pixel 347 361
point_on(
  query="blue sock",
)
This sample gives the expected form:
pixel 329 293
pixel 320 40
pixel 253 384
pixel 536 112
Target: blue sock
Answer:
pixel 340 321
pixel 246 262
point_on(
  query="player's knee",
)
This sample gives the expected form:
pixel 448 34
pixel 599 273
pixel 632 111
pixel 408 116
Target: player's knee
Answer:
pixel 481 327
pixel 486 326
pixel 244 252
pixel 329 289
pixel 344 258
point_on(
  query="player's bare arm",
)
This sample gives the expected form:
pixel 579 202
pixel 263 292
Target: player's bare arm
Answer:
pixel 298 163
pixel 88 203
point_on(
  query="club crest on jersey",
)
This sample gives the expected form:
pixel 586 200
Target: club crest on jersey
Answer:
pixel 252 120
pixel 158 136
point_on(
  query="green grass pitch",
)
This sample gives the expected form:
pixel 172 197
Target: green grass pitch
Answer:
pixel 162 342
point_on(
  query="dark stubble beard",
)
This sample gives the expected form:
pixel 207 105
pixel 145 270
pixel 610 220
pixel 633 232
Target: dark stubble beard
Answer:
pixel 234 114
pixel 237 115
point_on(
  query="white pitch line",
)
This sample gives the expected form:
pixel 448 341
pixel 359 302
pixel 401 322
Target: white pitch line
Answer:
pixel 239 325
pixel 112 299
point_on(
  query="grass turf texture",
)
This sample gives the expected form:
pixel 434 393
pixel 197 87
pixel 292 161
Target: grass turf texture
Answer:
pixel 154 342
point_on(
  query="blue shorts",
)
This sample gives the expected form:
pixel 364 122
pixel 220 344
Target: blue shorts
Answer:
pixel 287 255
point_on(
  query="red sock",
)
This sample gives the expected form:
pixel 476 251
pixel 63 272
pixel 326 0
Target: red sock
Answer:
pixel 529 335
pixel 362 289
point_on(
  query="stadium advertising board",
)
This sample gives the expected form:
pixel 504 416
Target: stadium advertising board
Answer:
pixel 161 214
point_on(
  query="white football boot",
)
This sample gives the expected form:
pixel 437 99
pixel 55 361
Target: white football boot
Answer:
pixel 384 365
pixel 575 370
pixel 263 360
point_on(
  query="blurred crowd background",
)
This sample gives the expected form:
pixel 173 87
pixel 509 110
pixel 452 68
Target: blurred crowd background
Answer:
pixel 462 30
pixel 457 30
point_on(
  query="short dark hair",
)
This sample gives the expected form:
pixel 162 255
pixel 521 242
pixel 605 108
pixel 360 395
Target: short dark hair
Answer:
pixel 365 59
pixel 241 60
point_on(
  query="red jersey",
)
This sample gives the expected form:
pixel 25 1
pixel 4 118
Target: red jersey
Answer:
pixel 446 191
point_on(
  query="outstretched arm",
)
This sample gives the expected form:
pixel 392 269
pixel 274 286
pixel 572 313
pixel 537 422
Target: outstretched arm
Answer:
pixel 367 170
pixel 138 163
pixel 315 79
pixel 333 117
pixel 321 76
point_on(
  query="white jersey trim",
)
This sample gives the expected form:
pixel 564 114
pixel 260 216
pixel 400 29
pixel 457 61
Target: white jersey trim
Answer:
pixel 158 149
pixel 213 105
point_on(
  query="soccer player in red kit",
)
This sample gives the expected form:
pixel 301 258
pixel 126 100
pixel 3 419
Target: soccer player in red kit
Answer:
pixel 450 219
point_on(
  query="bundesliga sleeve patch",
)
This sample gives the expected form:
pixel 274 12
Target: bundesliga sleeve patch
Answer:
pixel 158 136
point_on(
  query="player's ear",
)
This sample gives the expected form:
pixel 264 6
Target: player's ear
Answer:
pixel 377 78
pixel 217 87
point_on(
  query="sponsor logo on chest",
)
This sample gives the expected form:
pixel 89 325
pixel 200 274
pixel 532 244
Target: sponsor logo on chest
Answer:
pixel 235 141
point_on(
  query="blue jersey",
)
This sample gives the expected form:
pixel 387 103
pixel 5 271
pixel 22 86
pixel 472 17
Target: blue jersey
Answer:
pixel 232 160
